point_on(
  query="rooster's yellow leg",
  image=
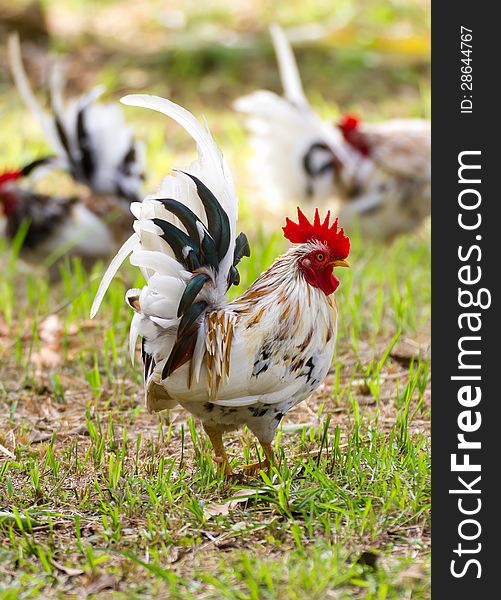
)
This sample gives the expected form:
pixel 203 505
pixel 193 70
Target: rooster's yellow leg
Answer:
pixel 221 458
pixel 265 464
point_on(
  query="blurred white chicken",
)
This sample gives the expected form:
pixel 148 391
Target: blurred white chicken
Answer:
pixel 380 173
pixel 90 142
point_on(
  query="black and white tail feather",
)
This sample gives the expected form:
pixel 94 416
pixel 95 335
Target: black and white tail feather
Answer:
pixel 295 151
pixel 90 141
pixel 186 246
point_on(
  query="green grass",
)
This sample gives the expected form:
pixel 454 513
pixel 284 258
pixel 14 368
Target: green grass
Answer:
pixel 100 498
pixel 98 488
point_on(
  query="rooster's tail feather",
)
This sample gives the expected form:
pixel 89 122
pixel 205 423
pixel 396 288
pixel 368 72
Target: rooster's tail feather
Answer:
pixel 47 124
pixel 186 247
pixel 289 72
pixel 90 140
pixel 294 150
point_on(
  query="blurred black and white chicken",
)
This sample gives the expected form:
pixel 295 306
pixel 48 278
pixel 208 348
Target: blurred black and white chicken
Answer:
pixel 90 142
pixel 380 173
pixel 55 225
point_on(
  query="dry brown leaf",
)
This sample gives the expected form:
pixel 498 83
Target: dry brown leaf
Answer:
pixel 406 350
pixel 412 573
pixel 7 452
pixel 39 436
pixel 89 324
pixel 67 570
pixel 102 582
pixel 239 497
pixel 174 554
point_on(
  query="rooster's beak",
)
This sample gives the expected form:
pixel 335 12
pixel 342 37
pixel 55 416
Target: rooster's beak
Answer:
pixel 341 263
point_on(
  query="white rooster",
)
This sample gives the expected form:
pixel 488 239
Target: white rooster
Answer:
pixel 228 363
pixel 380 172
pixel 90 141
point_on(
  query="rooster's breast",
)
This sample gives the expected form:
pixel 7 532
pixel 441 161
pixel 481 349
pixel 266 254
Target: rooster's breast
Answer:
pixel 273 365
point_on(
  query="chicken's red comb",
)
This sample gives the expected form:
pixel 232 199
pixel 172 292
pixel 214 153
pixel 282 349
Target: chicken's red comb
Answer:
pixel 348 123
pixel 349 126
pixel 9 176
pixel 303 231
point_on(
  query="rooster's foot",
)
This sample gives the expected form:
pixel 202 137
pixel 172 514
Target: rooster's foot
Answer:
pixel 254 468
pixel 223 466
pixel 265 464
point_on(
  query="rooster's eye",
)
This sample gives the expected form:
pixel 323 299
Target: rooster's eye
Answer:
pixel 320 257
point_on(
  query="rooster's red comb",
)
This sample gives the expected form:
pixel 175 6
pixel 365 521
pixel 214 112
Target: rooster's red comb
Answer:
pixel 348 123
pixel 303 231
pixel 350 128
pixel 9 176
